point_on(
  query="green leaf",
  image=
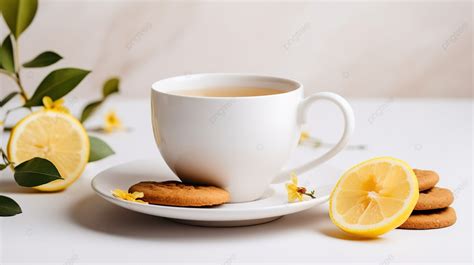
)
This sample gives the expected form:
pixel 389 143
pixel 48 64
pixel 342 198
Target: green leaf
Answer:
pixel 89 110
pixel 99 149
pixel 44 59
pixel 35 172
pixel 18 14
pixel 8 61
pixel 8 207
pixel 57 84
pixel 3 166
pixel 110 86
pixel 8 98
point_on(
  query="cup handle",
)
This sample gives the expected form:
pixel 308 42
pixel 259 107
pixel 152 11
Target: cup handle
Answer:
pixel 348 129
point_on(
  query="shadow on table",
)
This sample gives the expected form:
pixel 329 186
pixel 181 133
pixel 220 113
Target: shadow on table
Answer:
pixel 94 213
pixel 334 232
pixel 10 186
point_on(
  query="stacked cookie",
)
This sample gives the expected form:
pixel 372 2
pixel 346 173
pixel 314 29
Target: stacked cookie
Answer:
pixel 432 209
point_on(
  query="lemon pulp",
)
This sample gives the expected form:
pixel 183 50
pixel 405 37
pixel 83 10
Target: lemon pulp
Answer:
pixel 56 136
pixel 374 197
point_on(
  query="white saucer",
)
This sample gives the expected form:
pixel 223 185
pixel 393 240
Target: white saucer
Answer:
pixel 271 206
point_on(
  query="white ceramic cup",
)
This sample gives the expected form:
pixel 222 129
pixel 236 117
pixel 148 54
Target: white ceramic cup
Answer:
pixel 237 143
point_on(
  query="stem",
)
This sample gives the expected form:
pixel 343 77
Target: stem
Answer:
pixel 310 194
pixel 100 129
pixel 7 74
pixel 16 78
pixel 20 86
pixel 16 59
pixel 16 56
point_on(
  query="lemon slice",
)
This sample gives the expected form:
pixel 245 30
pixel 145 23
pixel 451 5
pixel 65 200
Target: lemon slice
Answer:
pixel 374 197
pixel 53 135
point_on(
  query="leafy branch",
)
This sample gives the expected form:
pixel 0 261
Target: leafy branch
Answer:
pixel 18 15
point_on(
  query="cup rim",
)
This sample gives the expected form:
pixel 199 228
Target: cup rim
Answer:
pixel 297 85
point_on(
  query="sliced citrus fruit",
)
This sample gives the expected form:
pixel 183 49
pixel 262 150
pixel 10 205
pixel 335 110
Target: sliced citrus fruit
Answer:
pixel 53 135
pixel 374 197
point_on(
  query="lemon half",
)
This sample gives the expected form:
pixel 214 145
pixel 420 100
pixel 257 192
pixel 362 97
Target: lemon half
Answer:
pixel 56 136
pixel 374 197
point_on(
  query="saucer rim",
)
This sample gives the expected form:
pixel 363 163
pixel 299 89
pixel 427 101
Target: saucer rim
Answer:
pixel 215 213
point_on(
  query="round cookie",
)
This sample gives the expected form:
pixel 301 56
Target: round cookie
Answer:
pixel 435 198
pixel 427 179
pixel 432 219
pixel 175 193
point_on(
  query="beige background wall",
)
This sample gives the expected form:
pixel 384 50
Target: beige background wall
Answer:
pixel 358 49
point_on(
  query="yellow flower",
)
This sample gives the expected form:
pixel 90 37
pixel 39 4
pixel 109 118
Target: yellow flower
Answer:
pixel 304 136
pixel 295 192
pixel 292 189
pixel 112 122
pixel 132 197
pixel 57 105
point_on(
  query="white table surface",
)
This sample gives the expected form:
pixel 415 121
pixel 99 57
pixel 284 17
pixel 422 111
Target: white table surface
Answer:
pixel 76 226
